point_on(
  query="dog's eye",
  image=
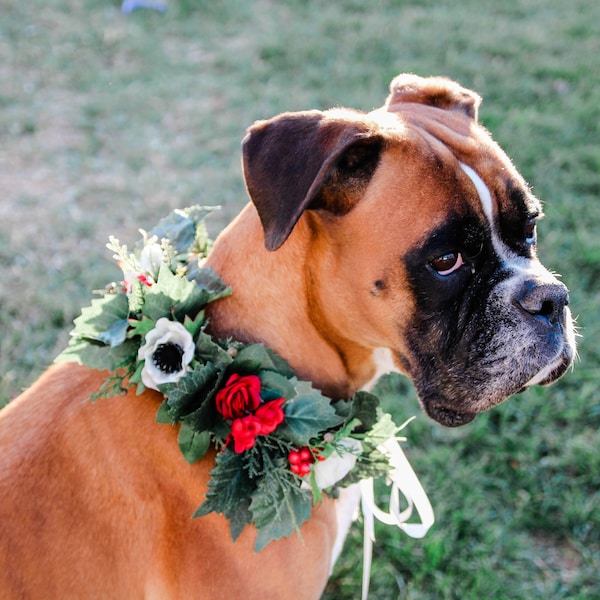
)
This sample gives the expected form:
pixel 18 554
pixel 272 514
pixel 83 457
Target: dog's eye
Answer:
pixel 530 231
pixel 447 263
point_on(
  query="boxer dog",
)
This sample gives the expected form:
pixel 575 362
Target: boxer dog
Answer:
pixel 402 239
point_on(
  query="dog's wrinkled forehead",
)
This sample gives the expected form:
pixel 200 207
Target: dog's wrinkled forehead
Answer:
pixel 496 190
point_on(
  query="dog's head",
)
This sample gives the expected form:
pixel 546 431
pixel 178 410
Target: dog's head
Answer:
pixel 424 243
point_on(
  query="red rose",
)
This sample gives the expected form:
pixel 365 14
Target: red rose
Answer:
pixel 240 396
pixel 270 415
pixel 244 432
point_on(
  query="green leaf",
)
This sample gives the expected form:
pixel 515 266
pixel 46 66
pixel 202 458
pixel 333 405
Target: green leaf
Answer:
pixel 382 430
pixel 172 294
pixel 163 416
pixel 255 357
pixel 240 518
pixel 180 227
pixel 207 350
pixel 274 385
pixel 193 444
pixel 229 487
pixel 102 321
pixel 307 415
pixel 209 282
pixel 187 394
pixel 193 326
pixel 140 328
pixel 99 356
pixel 116 333
pixel 364 408
pixel 278 508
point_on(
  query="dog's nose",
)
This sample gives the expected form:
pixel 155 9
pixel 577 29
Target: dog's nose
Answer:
pixel 544 300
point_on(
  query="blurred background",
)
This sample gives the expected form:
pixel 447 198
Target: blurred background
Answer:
pixel 109 119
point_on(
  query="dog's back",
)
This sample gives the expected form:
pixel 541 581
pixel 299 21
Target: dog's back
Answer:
pixel 97 502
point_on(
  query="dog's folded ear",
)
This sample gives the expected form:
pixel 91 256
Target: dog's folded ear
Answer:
pixel 439 92
pixel 307 160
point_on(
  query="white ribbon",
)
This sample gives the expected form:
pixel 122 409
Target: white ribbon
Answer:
pixel 404 480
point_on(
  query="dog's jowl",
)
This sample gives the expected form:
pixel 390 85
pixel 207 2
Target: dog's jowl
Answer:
pixel 398 239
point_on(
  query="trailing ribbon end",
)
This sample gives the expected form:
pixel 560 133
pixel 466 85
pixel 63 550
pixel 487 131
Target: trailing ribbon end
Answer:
pixel 404 480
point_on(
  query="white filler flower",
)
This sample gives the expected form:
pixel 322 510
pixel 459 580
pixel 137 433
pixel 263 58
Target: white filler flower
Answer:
pixel 169 348
pixel 151 258
pixel 339 464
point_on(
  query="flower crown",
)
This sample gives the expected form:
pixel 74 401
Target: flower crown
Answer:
pixel 281 443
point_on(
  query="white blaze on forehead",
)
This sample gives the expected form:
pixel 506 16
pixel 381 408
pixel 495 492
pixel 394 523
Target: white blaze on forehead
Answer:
pixel 488 208
pixel 482 190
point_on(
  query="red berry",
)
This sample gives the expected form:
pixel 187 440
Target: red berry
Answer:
pixel 305 455
pixel 294 457
pixel 304 469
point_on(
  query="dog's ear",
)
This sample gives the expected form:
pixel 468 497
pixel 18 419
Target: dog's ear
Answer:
pixel 303 160
pixel 435 91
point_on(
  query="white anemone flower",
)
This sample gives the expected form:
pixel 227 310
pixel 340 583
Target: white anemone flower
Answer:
pixel 168 350
pixel 334 468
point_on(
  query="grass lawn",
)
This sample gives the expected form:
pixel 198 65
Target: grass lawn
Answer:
pixel 108 121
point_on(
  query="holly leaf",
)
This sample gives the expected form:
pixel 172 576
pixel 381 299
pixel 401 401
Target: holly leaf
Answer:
pixel 306 415
pixel 105 320
pixel 193 326
pixel 255 357
pixel 193 444
pixel 278 508
pixel 185 395
pixel 172 294
pixel 209 282
pixel 273 386
pixel 140 328
pixel 229 487
pixel 96 355
pixel 207 350
pixel 364 408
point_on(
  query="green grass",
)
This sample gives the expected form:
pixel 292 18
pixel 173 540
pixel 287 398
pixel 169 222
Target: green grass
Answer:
pixel 108 122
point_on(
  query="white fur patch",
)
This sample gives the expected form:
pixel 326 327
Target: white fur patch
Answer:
pixel 384 364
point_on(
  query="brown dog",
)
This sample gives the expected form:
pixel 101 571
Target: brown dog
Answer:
pixel 399 239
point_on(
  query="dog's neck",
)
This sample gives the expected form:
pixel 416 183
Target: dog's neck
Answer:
pixel 270 304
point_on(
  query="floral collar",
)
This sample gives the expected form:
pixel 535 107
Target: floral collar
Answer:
pixel 282 444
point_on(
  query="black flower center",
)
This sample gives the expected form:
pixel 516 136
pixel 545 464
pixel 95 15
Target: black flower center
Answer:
pixel 167 358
